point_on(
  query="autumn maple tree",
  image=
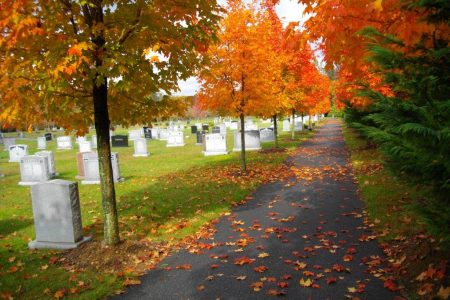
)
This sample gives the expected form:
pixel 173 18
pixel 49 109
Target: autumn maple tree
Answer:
pixel 83 62
pixel 237 80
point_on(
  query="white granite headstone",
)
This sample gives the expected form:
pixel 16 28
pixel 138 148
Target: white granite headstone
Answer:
pixel 51 161
pixel 33 169
pixel 64 142
pixel 16 152
pixel 84 146
pixel 215 144
pixel 91 168
pixel 252 140
pixel 175 139
pixel 234 125
pixel 135 134
pixel 41 143
pixel 163 134
pixel 57 215
pixel 140 147
pixel 267 135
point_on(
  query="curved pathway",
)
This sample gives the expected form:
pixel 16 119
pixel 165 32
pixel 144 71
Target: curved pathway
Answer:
pixel 304 238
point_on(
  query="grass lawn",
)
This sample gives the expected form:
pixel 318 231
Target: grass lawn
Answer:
pixel 414 237
pixel 164 199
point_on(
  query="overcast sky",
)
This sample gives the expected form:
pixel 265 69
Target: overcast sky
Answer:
pixel 287 10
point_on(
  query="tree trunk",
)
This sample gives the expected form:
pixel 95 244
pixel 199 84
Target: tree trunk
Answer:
pixel 243 162
pixel 102 123
pixel 275 130
pixel 309 121
pixel 293 124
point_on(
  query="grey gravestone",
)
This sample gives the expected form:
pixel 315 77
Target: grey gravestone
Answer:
pixel 91 168
pixel 267 135
pixel 81 139
pixel 8 142
pixel 140 147
pixel 215 129
pixel 41 143
pixel 200 137
pixel 57 215
pixel 252 140
pixel 193 129
pixel 120 140
pixel 215 144
pixel 48 136
pixel 155 133
pixel 199 126
pixel 234 125
pixel 16 152
pixel 175 139
pixel 33 169
pixel 298 126
pixel 223 128
pixel 64 143
pixel 249 125
pixel 51 161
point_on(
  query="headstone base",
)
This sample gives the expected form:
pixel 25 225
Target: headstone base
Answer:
pixel 59 246
pixel 177 145
pixel 206 153
pixel 140 155
pixel 121 179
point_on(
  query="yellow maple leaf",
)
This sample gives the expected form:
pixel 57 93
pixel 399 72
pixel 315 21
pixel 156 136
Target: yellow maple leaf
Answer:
pixel 378 4
pixel 305 283
pixel 444 293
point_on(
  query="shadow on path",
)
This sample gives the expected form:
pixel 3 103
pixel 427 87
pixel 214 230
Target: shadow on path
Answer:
pixel 308 228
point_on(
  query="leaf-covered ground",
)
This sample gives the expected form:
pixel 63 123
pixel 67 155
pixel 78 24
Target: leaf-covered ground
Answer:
pixel 304 236
pixel 165 198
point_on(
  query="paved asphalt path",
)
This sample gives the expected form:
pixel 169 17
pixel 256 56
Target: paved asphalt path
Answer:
pixel 301 228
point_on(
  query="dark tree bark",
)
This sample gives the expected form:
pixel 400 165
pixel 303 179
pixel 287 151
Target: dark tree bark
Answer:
pixel 275 129
pixel 243 160
pixel 293 124
pixel 102 123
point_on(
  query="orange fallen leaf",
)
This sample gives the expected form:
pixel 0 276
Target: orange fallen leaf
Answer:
pixel 184 267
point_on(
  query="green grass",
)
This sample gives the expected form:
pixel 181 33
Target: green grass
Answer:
pixel 170 186
pixel 403 208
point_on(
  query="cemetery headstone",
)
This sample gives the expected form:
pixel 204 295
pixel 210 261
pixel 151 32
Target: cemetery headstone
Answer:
pixel 163 134
pixel 234 125
pixel 214 144
pixel 215 129
pixel 199 126
pixel 286 126
pixel 223 128
pixel 91 168
pixel 135 134
pixel 200 136
pixel 147 132
pixel 94 141
pixel 205 127
pixel 252 140
pixel 193 129
pixel 64 142
pixel 48 136
pixel 80 139
pixel 140 148
pixel 267 135
pixel 33 169
pixel 175 139
pixel 16 152
pixel 80 165
pixel 298 126
pixel 57 215
pixel 120 140
pixel 51 161
pixel 84 146
pixel 41 143
pixel 155 133
pixel 8 142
